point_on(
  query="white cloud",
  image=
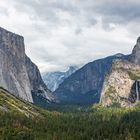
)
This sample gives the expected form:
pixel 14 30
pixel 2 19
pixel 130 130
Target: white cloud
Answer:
pixel 62 33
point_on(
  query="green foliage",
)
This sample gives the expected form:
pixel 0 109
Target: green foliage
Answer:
pixel 111 90
pixel 98 124
pixel 134 75
pixel 72 123
pixel 115 104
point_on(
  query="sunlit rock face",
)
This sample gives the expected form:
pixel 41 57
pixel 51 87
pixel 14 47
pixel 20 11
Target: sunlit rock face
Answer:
pixel 120 86
pixel 15 75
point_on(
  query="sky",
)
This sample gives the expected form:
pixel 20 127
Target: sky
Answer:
pixel 61 33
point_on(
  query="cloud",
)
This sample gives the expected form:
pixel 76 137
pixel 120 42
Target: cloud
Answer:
pixel 62 33
pixel 3 11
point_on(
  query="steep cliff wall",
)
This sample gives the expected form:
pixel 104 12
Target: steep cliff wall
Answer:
pixel 135 56
pixel 38 86
pixel 119 87
pixel 17 73
pixel 122 84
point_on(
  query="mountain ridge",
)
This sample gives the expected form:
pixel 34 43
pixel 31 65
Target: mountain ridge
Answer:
pixel 86 83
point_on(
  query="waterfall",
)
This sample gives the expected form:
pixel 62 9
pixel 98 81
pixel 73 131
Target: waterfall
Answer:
pixel 137 90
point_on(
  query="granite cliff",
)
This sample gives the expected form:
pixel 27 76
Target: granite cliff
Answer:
pixel 122 84
pixel 135 56
pixel 18 74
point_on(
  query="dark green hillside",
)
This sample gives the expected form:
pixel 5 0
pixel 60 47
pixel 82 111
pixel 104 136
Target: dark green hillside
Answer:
pixel 20 120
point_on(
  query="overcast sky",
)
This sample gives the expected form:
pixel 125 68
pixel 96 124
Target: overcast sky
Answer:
pixel 60 33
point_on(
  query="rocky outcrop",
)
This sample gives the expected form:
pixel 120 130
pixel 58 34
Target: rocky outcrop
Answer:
pixel 135 56
pixel 120 84
pixel 17 73
pixel 54 79
pixel 38 86
pixel 85 85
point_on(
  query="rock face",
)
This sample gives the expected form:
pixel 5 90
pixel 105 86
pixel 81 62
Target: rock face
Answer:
pixel 17 73
pixel 54 79
pixel 135 56
pixel 85 85
pixel 120 84
pixel 37 85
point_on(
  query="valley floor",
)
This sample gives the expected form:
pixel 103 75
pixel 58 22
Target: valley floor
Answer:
pixel 21 120
pixel 94 123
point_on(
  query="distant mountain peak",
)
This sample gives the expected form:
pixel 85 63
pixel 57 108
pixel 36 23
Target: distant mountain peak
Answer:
pixel 54 79
pixel 119 55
